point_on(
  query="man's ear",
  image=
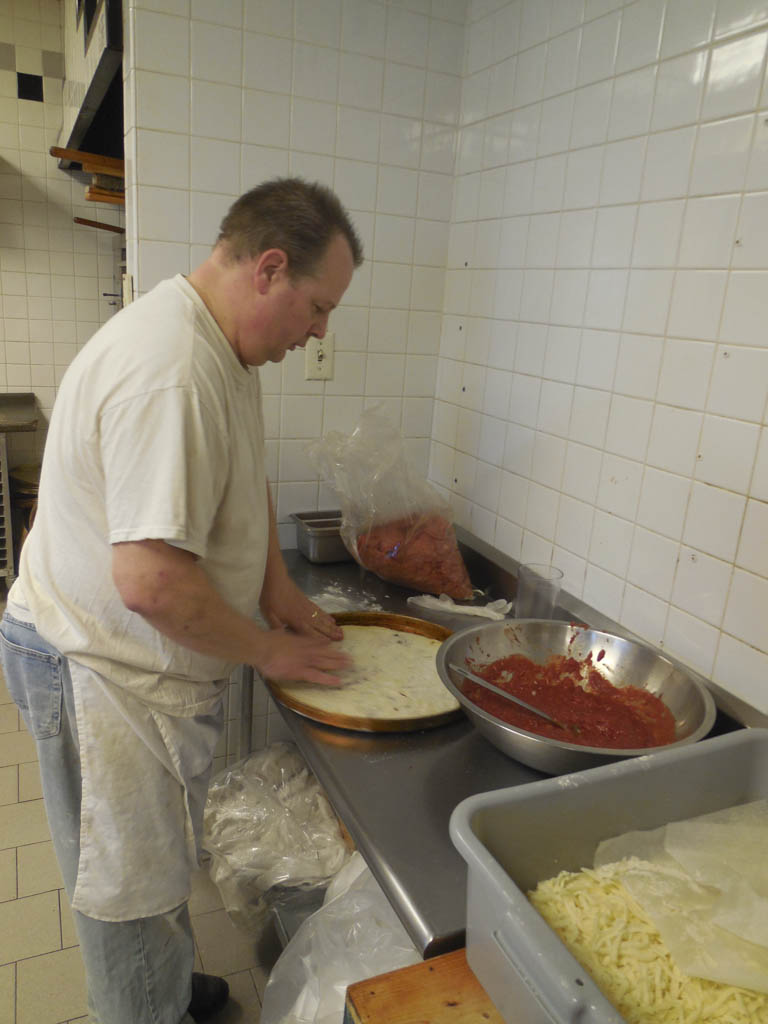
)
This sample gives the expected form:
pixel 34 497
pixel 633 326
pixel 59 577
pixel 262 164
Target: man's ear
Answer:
pixel 271 264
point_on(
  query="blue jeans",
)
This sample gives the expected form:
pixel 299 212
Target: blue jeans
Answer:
pixel 138 972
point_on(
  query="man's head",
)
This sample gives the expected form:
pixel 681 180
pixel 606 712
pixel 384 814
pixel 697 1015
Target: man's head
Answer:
pixel 284 257
pixel 298 217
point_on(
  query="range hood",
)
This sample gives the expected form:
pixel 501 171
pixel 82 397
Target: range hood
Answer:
pixel 93 88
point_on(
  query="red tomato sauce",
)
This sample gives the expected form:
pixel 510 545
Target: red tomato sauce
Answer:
pixel 595 712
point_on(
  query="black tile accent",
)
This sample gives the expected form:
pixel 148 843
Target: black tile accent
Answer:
pixel 29 87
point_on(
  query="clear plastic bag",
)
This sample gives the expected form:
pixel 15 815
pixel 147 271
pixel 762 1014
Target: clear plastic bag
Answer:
pixel 270 831
pixel 355 935
pixel 394 522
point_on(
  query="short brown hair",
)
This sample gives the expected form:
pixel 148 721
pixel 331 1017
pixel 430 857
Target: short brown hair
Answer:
pixel 291 214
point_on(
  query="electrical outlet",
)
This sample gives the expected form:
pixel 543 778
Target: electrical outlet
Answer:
pixel 318 358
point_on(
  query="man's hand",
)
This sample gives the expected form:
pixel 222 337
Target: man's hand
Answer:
pixel 288 657
pixel 283 604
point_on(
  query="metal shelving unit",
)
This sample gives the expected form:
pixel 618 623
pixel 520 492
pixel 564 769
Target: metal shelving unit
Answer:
pixel 18 411
pixel 7 561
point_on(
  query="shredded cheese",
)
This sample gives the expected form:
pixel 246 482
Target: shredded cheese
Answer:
pixel 608 933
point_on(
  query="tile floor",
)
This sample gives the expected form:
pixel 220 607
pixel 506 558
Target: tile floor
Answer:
pixel 41 973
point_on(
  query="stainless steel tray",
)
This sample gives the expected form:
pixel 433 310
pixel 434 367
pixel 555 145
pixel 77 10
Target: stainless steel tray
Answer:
pixel 318 536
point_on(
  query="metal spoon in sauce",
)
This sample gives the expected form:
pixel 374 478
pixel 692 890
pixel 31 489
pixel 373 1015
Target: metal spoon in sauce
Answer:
pixel 508 696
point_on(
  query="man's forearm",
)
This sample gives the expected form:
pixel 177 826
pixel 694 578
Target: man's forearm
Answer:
pixel 275 569
pixel 169 589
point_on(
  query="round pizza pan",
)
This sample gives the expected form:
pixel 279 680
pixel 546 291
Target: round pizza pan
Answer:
pixel 403 623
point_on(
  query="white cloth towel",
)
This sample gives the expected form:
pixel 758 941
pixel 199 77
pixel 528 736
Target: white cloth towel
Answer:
pixel 493 610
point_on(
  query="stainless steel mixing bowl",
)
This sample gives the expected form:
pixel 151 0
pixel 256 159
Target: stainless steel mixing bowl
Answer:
pixel 624 664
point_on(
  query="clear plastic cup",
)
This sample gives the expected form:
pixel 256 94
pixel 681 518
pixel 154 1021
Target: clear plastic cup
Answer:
pixel 538 588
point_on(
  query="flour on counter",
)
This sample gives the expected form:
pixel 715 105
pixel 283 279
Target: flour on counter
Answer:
pixel 337 598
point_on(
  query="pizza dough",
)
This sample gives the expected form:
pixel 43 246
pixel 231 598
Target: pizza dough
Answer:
pixel 394 676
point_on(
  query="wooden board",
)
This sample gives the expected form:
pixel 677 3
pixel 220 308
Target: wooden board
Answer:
pixel 442 990
pixel 100 195
pixel 405 624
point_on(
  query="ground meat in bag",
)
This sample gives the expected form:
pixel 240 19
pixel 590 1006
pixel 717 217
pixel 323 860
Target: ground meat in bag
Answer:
pixel 394 522
pixel 421 553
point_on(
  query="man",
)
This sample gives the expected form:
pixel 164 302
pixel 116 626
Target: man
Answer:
pixel 153 547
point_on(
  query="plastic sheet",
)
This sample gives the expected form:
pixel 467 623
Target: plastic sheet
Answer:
pixel 354 935
pixel 704 884
pixel 394 522
pixel 270 831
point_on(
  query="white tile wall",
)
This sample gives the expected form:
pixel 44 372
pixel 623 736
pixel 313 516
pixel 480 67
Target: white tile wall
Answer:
pixel 630 276
pixel 362 95
pixel 564 206
pixel 53 272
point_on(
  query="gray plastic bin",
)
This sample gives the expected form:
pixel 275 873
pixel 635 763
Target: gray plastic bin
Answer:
pixel 514 838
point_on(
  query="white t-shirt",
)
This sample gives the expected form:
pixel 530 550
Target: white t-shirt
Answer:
pixel 157 433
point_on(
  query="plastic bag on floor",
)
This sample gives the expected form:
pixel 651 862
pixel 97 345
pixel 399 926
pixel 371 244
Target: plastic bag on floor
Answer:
pixel 270 831
pixel 355 935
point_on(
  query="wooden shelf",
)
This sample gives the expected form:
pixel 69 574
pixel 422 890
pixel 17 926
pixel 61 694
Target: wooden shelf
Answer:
pixel 104 170
pixel 92 163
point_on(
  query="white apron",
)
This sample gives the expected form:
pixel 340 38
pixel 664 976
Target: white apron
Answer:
pixel 144 784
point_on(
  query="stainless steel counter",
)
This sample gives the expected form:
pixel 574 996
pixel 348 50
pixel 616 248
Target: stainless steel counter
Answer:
pixel 18 411
pixel 395 792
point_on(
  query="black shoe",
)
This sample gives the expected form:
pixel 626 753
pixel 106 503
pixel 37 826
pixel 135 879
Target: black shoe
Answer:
pixel 209 995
